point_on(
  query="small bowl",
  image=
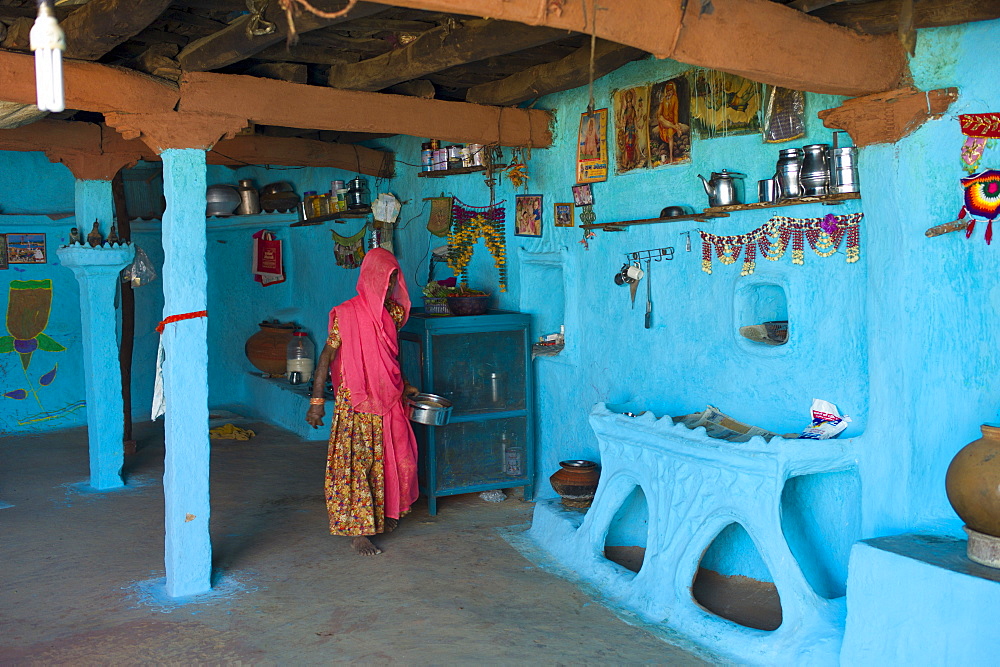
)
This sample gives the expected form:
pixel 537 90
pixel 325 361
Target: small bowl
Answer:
pixel 673 211
pixel 429 409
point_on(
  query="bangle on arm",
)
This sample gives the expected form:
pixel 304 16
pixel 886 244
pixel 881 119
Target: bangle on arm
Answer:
pixel 317 401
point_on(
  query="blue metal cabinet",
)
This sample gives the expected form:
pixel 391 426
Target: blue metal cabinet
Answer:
pixel 482 363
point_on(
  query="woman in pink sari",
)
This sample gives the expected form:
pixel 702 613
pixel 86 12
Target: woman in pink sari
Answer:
pixel 371 471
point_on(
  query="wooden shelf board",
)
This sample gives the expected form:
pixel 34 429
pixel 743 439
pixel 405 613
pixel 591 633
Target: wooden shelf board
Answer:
pixel 441 173
pixel 615 226
pixel 798 201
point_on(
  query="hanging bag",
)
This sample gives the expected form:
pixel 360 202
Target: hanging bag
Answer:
pixel 267 266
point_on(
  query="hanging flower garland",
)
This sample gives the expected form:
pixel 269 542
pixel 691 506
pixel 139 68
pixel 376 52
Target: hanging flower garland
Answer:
pixel 824 236
pixel 469 224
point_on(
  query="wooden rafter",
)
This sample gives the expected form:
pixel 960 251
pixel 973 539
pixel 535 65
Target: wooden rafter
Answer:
pixel 322 108
pixel 738 36
pixel 100 25
pixel 231 44
pixel 563 74
pixel 882 17
pixel 441 48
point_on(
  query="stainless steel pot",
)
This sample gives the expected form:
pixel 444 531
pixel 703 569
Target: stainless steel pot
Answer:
pixel 429 409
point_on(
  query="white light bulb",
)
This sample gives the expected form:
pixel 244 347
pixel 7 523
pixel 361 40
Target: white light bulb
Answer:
pixel 48 42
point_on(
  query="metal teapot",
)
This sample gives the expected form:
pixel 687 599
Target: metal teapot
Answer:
pixel 725 188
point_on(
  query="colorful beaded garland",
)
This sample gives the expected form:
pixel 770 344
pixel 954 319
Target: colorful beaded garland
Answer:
pixel 468 225
pixel 823 234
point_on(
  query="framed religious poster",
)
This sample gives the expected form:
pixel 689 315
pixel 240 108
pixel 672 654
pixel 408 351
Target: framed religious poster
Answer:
pixel 583 195
pixel 528 215
pixel 562 215
pixel 669 122
pixel 26 248
pixel 592 147
pixel 631 116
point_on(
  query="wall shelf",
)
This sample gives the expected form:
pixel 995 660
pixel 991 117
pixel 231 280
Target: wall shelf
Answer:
pixel 829 200
pixel 724 211
pixel 441 173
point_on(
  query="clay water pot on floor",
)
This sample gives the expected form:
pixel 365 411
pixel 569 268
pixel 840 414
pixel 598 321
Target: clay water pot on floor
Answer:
pixel 973 485
pixel 576 482
pixel 267 348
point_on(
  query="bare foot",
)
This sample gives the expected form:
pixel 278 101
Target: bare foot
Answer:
pixel 364 547
pixel 390 524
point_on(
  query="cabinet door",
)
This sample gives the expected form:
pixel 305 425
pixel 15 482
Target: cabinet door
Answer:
pixel 481 452
pixel 480 372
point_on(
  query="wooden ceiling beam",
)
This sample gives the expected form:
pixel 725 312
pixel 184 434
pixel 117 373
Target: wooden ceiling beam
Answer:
pixel 882 17
pixel 88 86
pixel 231 44
pixel 563 74
pixel 67 138
pixel 101 25
pixel 440 48
pixel 322 108
pixel 762 40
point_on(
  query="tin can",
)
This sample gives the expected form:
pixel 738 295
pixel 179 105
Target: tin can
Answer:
pixel 454 157
pixel 434 144
pixel 426 158
pixel 441 159
pixel 476 153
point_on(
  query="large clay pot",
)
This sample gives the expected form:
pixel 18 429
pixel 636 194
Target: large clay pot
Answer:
pixel 576 482
pixel 972 482
pixel 267 348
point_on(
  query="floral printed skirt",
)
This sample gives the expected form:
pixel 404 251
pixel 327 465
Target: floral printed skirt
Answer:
pixel 355 471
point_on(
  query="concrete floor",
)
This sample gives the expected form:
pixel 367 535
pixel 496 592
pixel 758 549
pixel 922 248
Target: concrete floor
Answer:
pixel 81 580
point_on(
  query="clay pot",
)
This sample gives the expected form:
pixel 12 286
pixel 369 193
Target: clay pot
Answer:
pixel 973 482
pixel 267 348
pixel 576 482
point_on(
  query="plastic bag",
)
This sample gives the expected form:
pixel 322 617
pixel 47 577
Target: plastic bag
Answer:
pixel 140 272
pixel 826 421
pixel 385 208
pixel 494 496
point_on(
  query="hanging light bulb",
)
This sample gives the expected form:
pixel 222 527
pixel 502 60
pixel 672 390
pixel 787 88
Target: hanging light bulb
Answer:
pixel 48 42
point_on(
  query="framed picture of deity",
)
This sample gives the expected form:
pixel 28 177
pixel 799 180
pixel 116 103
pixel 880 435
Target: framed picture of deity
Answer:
pixel 528 215
pixel 592 147
pixel 631 116
pixel 669 122
pixel 562 215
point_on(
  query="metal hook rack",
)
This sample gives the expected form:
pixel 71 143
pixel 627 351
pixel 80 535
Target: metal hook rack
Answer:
pixel 653 254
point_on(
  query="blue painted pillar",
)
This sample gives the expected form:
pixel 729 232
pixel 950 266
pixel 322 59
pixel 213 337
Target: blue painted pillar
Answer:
pixel 185 374
pixel 97 270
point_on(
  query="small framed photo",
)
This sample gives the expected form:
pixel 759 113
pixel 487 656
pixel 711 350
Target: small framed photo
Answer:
pixel 583 195
pixel 26 248
pixel 528 215
pixel 563 215
pixel 3 251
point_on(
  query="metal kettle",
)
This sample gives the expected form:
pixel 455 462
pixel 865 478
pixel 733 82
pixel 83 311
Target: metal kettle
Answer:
pixel 725 188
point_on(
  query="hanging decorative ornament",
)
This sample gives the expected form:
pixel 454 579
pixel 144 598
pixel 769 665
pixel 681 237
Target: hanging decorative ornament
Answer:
pixel 469 224
pixel 982 198
pixel 972 152
pixel 824 236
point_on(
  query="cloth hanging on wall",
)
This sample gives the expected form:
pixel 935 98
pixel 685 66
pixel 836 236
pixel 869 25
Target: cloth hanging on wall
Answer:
pixel 824 236
pixel 439 220
pixel 348 251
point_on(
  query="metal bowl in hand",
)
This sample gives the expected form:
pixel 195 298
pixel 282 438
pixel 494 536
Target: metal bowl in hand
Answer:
pixel 429 409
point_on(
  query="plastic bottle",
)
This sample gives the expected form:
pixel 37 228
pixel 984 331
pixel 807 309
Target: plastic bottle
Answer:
pixel 300 359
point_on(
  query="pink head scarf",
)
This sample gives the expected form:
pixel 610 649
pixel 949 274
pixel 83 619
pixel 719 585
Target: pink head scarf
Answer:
pixel 368 358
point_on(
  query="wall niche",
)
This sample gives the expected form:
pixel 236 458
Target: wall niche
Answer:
pixel 761 315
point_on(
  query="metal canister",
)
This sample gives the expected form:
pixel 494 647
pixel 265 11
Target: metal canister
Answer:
pixel 787 172
pixel 426 157
pixel 454 156
pixel 440 159
pixel 844 170
pixel 476 153
pixel 815 175
pixel 466 156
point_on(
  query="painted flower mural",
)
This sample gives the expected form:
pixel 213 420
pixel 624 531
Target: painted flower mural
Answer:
pixel 28 308
pixel 29 305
